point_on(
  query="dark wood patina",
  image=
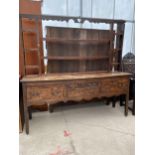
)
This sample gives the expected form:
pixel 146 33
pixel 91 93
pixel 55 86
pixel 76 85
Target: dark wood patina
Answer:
pixel 80 63
pixel 65 87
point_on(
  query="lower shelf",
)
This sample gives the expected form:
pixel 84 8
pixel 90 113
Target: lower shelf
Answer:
pixel 75 57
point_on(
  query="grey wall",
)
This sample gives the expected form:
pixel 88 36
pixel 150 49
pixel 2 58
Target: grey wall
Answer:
pixel 112 9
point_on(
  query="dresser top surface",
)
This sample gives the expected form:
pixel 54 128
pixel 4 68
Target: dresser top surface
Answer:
pixel 71 76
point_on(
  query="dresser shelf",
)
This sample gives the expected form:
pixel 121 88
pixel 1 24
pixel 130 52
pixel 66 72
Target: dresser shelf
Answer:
pixel 75 57
pixel 53 40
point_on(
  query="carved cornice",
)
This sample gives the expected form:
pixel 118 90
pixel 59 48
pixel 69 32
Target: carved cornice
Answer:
pixel 67 18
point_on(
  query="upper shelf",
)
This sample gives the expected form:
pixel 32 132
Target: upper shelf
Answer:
pixel 48 39
pixel 75 57
pixel 67 18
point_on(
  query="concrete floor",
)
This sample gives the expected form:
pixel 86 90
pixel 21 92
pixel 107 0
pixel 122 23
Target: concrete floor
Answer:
pixel 96 129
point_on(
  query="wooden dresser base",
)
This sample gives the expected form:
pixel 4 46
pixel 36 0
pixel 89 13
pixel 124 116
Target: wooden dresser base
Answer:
pixel 54 89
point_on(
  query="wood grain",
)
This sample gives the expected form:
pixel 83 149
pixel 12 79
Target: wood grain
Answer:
pixel 54 89
pixel 72 76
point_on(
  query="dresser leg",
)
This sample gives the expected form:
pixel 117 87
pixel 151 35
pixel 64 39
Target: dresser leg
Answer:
pixel 26 120
pixel 121 100
pixel 126 105
pixel 26 114
pixel 107 101
pixel 51 108
pixel 30 112
pixel 113 102
pixel 133 108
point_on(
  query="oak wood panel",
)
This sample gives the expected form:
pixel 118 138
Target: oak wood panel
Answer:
pixel 115 86
pixel 113 57
pixel 80 43
pixel 30 41
pixel 30 7
pixel 82 89
pixel 76 90
pixel 46 92
pixel 72 76
pixel 75 57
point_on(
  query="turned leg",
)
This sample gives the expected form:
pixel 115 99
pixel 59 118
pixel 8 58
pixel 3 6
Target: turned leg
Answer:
pixel 30 112
pixel 51 108
pixel 126 105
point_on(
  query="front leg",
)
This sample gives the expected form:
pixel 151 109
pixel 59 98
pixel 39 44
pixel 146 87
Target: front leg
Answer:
pixel 113 102
pixel 26 119
pixel 26 114
pixel 30 112
pixel 133 108
pixel 107 101
pixel 121 100
pixel 126 104
pixel 51 108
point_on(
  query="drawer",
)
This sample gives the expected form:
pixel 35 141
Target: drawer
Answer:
pixel 115 86
pixel 82 89
pixel 45 93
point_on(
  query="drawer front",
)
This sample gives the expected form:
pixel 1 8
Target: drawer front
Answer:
pixel 45 93
pixel 76 90
pixel 83 89
pixel 114 86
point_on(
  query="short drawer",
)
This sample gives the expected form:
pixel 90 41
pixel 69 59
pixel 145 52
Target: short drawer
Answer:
pixel 115 86
pixel 45 93
pixel 83 89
